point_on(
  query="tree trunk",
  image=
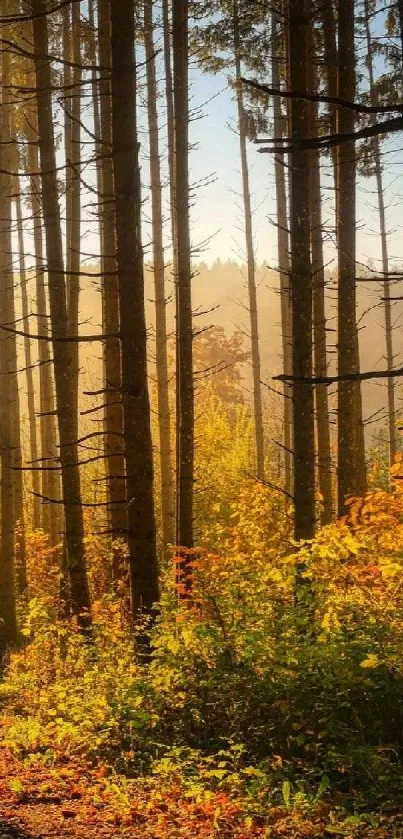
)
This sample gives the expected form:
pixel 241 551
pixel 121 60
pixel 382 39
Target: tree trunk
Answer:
pixel 136 407
pixel 50 485
pixel 349 426
pixel 250 258
pixel 284 267
pixel 184 348
pixel 301 280
pixel 8 615
pixel 319 309
pixel 164 423
pixel 114 443
pixel 64 365
pixel 171 163
pixel 385 255
pixel 73 191
pixel 10 343
pixel 33 437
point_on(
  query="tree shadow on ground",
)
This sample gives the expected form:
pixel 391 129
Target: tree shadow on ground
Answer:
pixel 12 831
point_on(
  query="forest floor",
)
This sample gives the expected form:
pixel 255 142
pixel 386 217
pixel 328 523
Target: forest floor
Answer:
pixel 75 801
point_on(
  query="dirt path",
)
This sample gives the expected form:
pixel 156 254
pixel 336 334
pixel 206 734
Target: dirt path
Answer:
pixel 73 801
pixel 38 802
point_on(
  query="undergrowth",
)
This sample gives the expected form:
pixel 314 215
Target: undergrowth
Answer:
pixel 280 684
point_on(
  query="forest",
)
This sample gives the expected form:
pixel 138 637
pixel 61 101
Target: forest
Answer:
pixel 201 453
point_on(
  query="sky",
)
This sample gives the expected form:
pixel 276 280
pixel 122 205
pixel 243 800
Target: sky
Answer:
pixel 217 215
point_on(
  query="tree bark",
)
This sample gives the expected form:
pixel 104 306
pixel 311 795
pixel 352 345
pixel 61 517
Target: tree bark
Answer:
pixel 385 254
pixel 8 614
pixel 284 266
pixel 350 430
pixel 50 485
pixel 250 257
pixel 63 357
pixel 73 188
pixel 33 436
pixel 185 388
pixel 114 443
pixel 301 280
pixel 319 309
pixel 136 407
pixel 164 423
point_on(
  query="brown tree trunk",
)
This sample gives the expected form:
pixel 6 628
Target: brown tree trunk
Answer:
pixel 114 443
pixel 385 255
pixel 33 437
pixel 250 258
pixel 61 336
pixel 8 615
pixel 350 430
pixel 73 189
pixel 164 423
pixel 184 348
pixel 52 514
pixel 136 407
pixel 171 163
pixel 301 280
pixel 319 309
pixel 284 264
pixel 10 343
pixel 170 112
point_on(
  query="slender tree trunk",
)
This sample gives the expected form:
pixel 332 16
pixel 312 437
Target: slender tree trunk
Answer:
pixel 284 266
pixel 171 163
pixel 136 407
pixel 50 485
pixel 348 393
pixel 385 255
pixel 114 442
pixel 250 257
pixel 73 159
pixel 10 340
pixel 61 336
pixel 170 112
pixel 8 615
pixel 185 389
pixel 33 437
pixel 67 80
pixel 164 423
pixel 319 309
pixel 301 280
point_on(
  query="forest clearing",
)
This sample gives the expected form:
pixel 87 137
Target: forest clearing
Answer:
pixel 201 458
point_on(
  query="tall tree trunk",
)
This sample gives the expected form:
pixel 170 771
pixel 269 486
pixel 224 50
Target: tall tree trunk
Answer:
pixel 164 423
pixel 8 614
pixel 349 426
pixel 385 255
pixel 301 280
pixel 73 195
pixel 184 349
pixel 319 308
pixel 114 442
pixel 61 337
pixel 33 437
pixel 250 256
pixel 136 407
pixel 171 164
pixel 67 80
pixel 170 112
pixel 10 340
pixel 284 263
pixel 50 486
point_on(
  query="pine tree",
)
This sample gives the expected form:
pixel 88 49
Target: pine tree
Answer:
pixel 136 407
pixel 301 278
pixel 63 356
